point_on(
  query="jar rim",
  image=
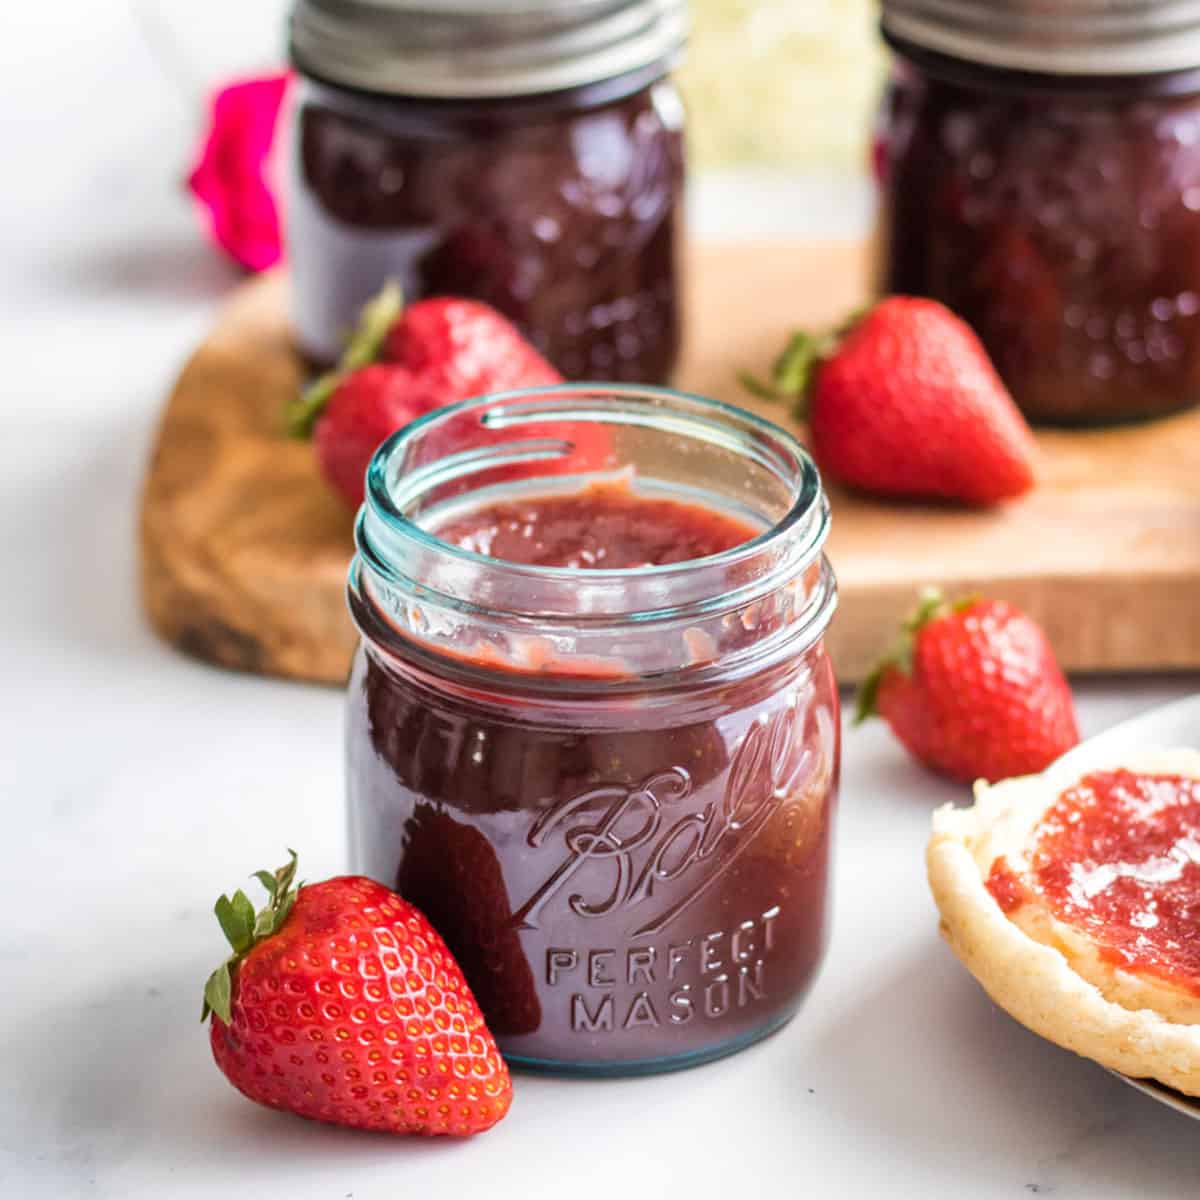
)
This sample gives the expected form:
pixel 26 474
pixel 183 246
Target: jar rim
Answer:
pixel 382 523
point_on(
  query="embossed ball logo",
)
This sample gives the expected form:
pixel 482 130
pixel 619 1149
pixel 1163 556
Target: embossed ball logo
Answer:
pixel 643 847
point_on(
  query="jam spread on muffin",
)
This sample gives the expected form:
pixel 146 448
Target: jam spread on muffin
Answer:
pixel 1117 856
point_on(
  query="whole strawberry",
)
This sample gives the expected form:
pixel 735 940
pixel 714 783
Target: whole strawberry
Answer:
pixel 973 690
pixel 342 1004
pixel 400 364
pixel 462 348
pixel 363 410
pixel 905 402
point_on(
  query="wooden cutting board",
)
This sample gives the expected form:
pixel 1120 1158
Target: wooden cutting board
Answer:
pixel 244 550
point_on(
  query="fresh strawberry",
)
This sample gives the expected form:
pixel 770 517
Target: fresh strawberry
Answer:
pixel 463 348
pixel 341 1003
pixel 973 690
pixel 365 408
pixel 905 402
pixel 403 362
pixel 362 349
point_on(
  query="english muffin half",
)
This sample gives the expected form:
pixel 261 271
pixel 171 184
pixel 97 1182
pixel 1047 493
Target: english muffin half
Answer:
pixel 1077 908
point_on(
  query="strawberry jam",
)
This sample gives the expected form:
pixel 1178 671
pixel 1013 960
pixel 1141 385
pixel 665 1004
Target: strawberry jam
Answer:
pixel 604 525
pixel 563 213
pixel 1118 856
pixel 1006 888
pixel 598 743
pixel 545 179
pixel 1060 216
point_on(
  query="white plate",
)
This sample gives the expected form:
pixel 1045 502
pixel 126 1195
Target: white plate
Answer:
pixel 1167 728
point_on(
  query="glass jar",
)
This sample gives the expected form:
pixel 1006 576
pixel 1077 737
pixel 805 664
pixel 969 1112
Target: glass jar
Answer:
pixel 611 791
pixel 533 160
pixel 1047 188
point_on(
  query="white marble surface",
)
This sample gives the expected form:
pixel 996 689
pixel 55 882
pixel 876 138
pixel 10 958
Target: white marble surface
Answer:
pixel 137 784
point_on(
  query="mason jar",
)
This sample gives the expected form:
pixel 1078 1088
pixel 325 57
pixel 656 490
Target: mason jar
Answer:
pixel 530 156
pixel 611 790
pixel 1040 174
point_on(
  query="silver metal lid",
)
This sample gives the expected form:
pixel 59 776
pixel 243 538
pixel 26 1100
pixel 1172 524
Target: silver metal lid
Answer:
pixel 1057 37
pixel 463 49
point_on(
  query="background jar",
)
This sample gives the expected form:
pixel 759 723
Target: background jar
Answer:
pixel 532 159
pixel 1040 174
pixel 612 791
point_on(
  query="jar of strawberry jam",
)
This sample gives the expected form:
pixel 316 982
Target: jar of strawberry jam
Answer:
pixel 593 731
pixel 530 156
pixel 1040 174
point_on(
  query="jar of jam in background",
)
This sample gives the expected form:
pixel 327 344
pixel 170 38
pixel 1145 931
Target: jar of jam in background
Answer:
pixel 611 788
pixel 1040 174
pixel 530 156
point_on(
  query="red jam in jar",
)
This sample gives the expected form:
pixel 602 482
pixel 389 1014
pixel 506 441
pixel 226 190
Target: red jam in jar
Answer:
pixel 534 162
pixel 601 525
pixel 593 732
pixel 1048 190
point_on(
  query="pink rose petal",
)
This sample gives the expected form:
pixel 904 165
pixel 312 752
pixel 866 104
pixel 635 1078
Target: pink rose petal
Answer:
pixel 230 181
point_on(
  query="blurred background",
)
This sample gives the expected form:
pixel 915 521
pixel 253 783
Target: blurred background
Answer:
pixel 780 96
pixel 782 83
pixel 110 280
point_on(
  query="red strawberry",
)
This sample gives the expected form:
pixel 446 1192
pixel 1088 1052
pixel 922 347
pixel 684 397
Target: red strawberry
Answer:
pixel 974 691
pixel 463 348
pixel 364 408
pixel 905 402
pixel 341 1003
pixel 403 362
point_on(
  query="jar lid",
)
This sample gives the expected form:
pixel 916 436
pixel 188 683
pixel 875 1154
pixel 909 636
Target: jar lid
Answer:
pixel 466 49
pixel 1056 37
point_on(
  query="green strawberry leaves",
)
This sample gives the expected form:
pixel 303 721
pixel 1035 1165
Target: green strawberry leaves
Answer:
pixel 364 347
pixel 237 921
pixel 865 702
pixel 302 412
pixel 931 606
pixel 218 994
pixel 794 372
pixel 269 880
pixel 244 929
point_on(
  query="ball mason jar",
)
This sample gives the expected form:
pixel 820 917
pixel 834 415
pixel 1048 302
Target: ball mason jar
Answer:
pixel 611 791
pixel 533 160
pixel 1039 169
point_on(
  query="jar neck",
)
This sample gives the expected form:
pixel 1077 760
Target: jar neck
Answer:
pixel 419 598
pixel 963 73
pixel 507 658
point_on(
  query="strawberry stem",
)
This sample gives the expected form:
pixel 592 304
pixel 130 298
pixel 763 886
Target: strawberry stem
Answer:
pixel 793 373
pixel 931 605
pixel 244 929
pixel 363 348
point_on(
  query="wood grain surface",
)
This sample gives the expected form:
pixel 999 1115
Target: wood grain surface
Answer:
pixel 244 550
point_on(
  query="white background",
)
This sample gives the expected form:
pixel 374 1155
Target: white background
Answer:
pixel 137 784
